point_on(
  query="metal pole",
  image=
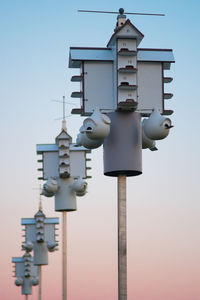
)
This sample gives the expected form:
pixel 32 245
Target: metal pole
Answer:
pixel 122 253
pixel 26 297
pixel 64 254
pixel 40 283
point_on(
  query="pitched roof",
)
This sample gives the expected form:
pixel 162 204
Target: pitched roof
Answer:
pixel 40 214
pixel 128 22
pixel 63 135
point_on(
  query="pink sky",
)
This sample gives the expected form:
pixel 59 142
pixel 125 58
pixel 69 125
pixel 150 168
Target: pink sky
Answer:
pixel 163 203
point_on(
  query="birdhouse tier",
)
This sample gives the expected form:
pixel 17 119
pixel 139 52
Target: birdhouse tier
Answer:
pixel 40 231
pixel 104 71
pixel 20 266
pixel 78 55
pixel 63 161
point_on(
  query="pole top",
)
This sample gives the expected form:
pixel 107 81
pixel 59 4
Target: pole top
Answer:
pixel 121 11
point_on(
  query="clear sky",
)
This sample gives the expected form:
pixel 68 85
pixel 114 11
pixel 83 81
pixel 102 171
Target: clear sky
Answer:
pixel 163 203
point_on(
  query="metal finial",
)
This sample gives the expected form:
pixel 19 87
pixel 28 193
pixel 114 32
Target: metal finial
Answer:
pixel 121 11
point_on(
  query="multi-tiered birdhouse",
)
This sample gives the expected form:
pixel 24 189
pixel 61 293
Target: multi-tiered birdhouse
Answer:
pixel 64 168
pixel 122 76
pixel 26 273
pixel 126 83
pixel 40 236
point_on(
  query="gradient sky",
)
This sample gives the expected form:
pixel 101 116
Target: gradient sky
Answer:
pixel 163 203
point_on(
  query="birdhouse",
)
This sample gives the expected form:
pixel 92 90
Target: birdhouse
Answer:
pixel 64 166
pixel 26 273
pixel 122 76
pixel 40 231
pixel 63 159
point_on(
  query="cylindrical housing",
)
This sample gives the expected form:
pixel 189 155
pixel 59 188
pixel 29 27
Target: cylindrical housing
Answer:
pixel 123 146
pixel 27 286
pixel 65 198
pixel 40 253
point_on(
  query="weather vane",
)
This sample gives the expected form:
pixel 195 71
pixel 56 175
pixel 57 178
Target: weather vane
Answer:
pixel 121 12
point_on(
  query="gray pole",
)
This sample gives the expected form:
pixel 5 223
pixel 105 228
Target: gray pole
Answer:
pixel 26 297
pixel 40 282
pixel 122 255
pixel 64 254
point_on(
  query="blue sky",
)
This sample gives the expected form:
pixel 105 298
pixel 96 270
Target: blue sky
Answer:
pixel 35 41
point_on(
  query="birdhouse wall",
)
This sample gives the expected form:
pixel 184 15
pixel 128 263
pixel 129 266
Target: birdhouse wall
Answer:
pixel 34 271
pixel 150 86
pixel 50 164
pixel 19 272
pixel 30 233
pixel 78 164
pixel 49 233
pixel 98 86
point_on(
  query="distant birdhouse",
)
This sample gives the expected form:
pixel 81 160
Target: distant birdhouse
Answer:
pixel 26 273
pixel 40 231
pixel 63 159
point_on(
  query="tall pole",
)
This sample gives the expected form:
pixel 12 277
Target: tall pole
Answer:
pixel 122 253
pixel 40 282
pixel 64 254
pixel 26 297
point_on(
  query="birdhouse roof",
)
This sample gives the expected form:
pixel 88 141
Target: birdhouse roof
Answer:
pixel 127 30
pixel 40 214
pixel 31 221
pixel 81 54
pixel 63 136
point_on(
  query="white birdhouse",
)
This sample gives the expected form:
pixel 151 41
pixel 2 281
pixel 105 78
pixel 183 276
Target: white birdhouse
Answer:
pixel 40 232
pixel 63 159
pixel 122 76
pixel 26 273
pixel 63 163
